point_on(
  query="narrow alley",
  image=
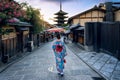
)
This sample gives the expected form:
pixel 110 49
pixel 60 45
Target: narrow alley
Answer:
pixel 40 65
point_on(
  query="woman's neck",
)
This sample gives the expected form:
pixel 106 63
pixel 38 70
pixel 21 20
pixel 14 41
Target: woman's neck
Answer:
pixel 58 39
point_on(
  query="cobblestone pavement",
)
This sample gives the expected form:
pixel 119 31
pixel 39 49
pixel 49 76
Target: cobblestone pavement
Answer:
pixel 40 65
pixel 106 65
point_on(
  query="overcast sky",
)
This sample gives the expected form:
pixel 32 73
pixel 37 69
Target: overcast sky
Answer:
pixel 72 7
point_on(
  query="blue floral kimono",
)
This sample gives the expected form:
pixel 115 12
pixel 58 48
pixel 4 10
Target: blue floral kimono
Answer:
pixel 59 56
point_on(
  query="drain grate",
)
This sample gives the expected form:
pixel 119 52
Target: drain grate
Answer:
pixel 97 78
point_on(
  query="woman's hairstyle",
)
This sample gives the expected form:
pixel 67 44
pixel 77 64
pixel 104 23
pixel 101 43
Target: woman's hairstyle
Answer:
pixel 58 36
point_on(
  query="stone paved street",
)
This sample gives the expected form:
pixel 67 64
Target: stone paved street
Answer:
pixel 105 64
pixel 40 65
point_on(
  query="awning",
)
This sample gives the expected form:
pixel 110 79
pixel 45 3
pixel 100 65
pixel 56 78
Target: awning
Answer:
pixel 22 29
pixel 56 30
pixel 67 31
pixel 80 28
pixel 74 26
pixel 20 24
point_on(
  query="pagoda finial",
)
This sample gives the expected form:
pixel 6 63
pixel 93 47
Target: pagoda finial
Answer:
pixel 60 5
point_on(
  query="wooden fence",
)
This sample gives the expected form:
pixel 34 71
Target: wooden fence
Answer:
pixel 103 36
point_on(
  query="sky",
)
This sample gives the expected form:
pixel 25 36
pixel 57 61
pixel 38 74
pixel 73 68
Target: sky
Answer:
pixel 72 7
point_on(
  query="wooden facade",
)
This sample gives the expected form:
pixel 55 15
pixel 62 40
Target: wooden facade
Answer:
pixel 22 39
pixel 77 34
pixel 13 40
pixel 93 15
pixel 8 42
pixel 117 15
pixel 80 35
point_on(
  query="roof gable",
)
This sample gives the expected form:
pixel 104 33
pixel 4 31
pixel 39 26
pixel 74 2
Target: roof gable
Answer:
pixel 89 10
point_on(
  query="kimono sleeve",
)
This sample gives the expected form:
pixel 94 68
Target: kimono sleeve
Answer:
pixel 54 46
pixel 64 50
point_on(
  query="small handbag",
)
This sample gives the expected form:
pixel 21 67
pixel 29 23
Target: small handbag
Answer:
pixel 64 60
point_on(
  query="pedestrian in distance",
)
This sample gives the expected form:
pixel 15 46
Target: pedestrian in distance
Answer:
pixel 60 53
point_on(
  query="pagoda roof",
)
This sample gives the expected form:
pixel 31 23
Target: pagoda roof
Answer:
pixel 60 20
pixel 61 12
pixel 61 17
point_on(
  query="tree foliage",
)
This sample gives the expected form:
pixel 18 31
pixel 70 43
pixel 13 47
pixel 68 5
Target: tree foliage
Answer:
pixel 35 19
pixel 11 9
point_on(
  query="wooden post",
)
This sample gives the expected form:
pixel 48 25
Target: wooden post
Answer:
pixel 0 46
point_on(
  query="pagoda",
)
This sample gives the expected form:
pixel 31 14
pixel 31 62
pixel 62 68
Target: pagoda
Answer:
pixel 60 16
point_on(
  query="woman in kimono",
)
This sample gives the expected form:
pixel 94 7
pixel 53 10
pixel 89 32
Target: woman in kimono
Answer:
pixel 59 52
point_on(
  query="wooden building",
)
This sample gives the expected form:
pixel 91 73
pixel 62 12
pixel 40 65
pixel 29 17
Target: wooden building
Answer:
pixel 8 42
pixel 76 34
pixel 94 14
pixel 13 40
pixel 48 25
pixel 109 11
